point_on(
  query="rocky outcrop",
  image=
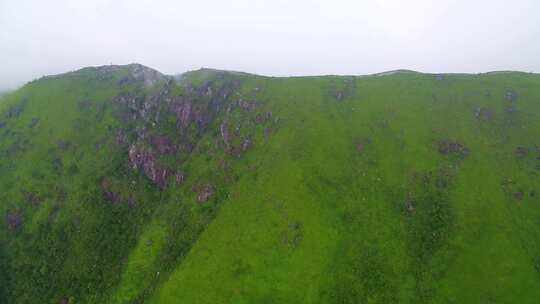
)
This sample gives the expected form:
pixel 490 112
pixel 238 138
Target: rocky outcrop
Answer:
pixel 225 134
pixel 521 151
pixel 63 145
pixel 163 144
pixel 34 122
pixel 483 114
pixel 179 177
pixel 193 111
pixel 121 138
pixel 204 192
pixel 14 220
pixel 184 114
pixel 246 144
pixel 32 198
pixel 510 96
pixel 247 106
pixel 16 110
pixel 263 118
pixel 143 158
pixel 447 147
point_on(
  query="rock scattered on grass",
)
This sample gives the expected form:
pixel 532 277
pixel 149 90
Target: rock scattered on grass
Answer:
pixel 204 193
pixel 510 96
pixel 481 113
pixel 447 147
pixel 247 106
pixel 14 220
pixel 521 151
pixel 293 235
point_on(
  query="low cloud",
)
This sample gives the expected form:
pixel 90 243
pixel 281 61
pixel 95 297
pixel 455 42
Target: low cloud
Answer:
pixel 279 38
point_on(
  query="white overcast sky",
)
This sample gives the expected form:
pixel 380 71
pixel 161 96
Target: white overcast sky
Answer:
pixel 274 37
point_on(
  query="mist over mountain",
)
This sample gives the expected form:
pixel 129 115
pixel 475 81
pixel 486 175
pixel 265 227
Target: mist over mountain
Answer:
pixel 274 38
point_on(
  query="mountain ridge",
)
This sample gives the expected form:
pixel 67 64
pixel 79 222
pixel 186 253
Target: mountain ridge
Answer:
pixel 202 69
pixel 121 184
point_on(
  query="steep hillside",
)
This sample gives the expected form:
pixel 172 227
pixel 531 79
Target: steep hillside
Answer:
pixel 122 185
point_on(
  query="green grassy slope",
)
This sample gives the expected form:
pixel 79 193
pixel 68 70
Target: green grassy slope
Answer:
pixel 398 188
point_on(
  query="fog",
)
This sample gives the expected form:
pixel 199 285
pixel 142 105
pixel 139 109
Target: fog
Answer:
pixel 277 37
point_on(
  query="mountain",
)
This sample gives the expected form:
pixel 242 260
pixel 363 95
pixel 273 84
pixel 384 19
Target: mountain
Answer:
pixel 120 184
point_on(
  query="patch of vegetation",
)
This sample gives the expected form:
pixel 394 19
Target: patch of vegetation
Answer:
pixel 429 219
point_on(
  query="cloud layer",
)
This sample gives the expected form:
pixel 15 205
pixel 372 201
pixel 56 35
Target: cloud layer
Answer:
pixel 303 37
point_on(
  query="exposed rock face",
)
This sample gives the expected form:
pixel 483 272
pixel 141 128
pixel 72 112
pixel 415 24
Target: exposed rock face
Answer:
pixel 162 144
pixel 121 137
pixel 194 110
pixel 234 143
pixel 183 114
pixel 144 159
pixel 225 135
pixel 133 103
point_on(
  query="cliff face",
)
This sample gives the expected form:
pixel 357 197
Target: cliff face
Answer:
pixel 120 184
pixel 150 134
